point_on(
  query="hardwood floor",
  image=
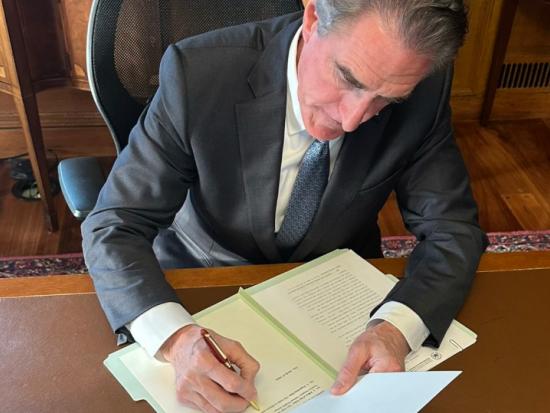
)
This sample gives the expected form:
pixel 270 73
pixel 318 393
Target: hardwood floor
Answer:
pixel 22 226
pixel 509 167
pixel 509 164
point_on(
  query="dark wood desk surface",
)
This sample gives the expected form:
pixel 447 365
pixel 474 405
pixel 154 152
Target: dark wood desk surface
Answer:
pixel 55 338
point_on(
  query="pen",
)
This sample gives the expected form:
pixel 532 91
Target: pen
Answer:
pixel 221 357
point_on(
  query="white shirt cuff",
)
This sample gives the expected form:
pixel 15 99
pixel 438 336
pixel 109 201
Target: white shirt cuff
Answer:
pixel 152 328
pixel 405 320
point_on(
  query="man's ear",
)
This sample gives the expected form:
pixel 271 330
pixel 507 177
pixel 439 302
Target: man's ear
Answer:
pixel 309 25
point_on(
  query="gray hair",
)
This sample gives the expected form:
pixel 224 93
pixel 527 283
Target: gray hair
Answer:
pixel 432 28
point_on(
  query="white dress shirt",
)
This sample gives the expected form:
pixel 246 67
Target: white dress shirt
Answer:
pixel 152 328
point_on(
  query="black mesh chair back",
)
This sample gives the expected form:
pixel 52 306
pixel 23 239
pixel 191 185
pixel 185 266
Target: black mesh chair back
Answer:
pixel 126 40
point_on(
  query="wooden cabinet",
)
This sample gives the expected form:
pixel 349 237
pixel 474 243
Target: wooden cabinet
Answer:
pixel 18 81
pixel 34 57
pixel 43 44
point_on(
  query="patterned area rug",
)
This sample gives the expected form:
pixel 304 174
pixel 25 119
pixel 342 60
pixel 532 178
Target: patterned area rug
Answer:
pixel 402 246
pixel 392 247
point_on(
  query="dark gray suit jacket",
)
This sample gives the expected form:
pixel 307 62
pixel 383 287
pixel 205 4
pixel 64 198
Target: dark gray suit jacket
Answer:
pixel 213 134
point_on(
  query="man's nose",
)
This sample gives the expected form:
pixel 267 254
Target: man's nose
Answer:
pixel 353 110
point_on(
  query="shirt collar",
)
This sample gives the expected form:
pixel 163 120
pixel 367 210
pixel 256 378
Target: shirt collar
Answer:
pixel 295 123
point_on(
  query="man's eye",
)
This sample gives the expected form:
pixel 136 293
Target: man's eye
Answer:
pixel 343 81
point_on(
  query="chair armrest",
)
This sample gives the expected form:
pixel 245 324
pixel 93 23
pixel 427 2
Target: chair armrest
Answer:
pixel 80 179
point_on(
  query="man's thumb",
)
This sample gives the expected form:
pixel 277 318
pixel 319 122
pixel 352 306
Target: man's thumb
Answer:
pixel 346 378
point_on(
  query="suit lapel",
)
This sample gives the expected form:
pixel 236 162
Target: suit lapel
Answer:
pixel 261 123
pixel 356 159
pixel 261 126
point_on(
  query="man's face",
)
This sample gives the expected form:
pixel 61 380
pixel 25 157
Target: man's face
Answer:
pixel 347 76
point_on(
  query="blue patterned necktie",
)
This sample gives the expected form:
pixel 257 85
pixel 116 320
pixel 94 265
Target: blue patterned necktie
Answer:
pixel 305 197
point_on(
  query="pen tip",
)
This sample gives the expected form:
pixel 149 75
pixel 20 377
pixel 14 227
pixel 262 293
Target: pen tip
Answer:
pixel 254 404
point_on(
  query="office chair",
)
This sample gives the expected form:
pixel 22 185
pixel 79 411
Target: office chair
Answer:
pixel 126 40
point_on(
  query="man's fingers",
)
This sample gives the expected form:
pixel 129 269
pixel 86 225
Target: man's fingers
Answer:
pixel 387 365
pixel 204 382
pixel 220 398
pixel 247 364
pixel 231 382
pixel 208 395
pixel 194 400
pixel 200 403
pixel 357 356
pixel 234 350
pixel 242 383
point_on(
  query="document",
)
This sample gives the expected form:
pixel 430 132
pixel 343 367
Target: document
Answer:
pixel 299 326
pixel 383 393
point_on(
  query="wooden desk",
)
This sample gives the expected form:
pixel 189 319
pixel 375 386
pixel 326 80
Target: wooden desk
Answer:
pixel 55 338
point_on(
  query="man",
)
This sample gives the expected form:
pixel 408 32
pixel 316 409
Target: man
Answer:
pixel 231 126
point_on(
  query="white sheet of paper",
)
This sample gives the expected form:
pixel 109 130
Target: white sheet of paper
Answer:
pixel 383 393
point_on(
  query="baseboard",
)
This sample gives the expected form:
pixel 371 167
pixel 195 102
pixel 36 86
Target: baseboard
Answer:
pixel 514 104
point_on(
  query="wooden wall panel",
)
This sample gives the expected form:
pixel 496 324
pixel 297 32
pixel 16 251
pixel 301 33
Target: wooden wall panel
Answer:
pixel 75 14
pixel 3 66
pixel 530 38
pixel 529 43
pixel 6 69
pixel 472 63
pixel 474 59
pixel 44 44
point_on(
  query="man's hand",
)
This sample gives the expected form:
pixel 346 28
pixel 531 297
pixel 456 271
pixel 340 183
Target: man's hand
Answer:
pixel 381 348
pixel 202 382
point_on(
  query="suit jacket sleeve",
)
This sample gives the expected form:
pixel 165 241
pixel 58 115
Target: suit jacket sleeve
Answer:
pixel 146 187
pixel 437 206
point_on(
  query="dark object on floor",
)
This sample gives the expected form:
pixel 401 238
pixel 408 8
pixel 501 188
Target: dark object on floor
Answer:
pixel 27 190
pixel 20 169
pixel 25 186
